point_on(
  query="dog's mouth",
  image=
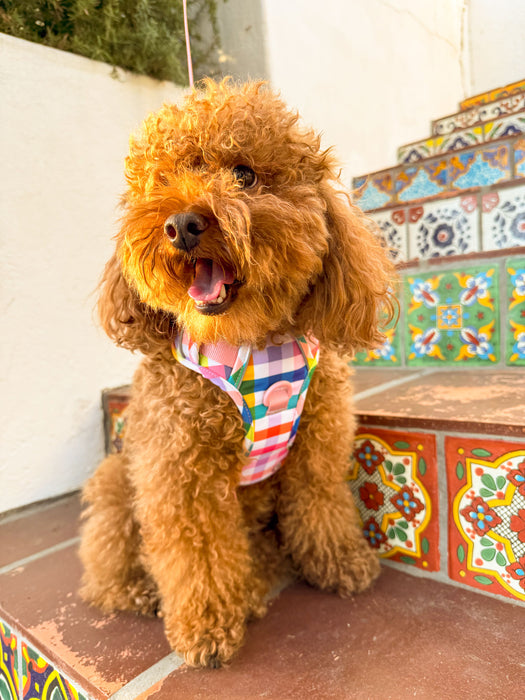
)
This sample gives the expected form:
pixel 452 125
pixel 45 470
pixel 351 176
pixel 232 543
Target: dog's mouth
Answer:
pixel 214 286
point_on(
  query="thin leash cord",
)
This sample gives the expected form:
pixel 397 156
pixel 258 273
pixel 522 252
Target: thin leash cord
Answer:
pixel 188 48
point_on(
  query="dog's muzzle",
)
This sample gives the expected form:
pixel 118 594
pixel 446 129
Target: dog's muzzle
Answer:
pixel 184 230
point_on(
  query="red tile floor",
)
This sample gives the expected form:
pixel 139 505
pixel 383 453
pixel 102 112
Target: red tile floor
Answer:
pixel 406 637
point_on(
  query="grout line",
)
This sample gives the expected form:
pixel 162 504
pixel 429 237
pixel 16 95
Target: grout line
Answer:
pixel 391 385
pixel 149 677
pixel 39 555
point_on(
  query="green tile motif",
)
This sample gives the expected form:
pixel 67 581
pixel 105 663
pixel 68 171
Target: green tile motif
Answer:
pixel 452 317
pixel 516 312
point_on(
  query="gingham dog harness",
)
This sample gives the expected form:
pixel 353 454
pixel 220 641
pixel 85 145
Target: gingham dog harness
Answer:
pixel 268 387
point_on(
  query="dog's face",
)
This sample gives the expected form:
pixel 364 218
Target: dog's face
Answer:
pixel 232 228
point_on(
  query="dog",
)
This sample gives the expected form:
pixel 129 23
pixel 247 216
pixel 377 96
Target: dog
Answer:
pixel 246 278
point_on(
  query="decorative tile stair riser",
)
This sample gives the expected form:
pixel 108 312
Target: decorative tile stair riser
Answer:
pixel 26 675
pixel 484 220
pixel 454 316
pixel 510 104
pixel 481 166
pixel 393 478
pixel 491 95
pixel 486 481
pixel 509 125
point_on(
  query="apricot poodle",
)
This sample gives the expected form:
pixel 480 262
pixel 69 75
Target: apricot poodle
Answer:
pixel 246 278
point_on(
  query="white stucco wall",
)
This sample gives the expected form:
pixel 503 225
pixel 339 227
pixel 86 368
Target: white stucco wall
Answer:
pixel 496 39
pixel 65 126
pixel 371 75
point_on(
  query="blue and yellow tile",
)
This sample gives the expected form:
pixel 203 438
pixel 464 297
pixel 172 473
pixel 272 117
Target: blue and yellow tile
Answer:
pixel 453 317
pixel 486 165
pixel 516 312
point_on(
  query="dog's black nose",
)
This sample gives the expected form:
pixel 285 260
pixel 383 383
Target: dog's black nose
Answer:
pixel 184 230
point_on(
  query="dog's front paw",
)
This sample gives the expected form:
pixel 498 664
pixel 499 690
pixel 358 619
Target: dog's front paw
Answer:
pixel 357 568
pixel 205 645
pixel 346 566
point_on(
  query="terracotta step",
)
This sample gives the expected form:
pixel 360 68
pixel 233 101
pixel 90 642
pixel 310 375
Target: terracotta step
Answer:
pixel 500 161
pixel 463 138
pixel 438 472
pixel 448 641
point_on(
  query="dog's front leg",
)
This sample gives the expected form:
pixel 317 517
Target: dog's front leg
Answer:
pixel 318 520
pixel 185 467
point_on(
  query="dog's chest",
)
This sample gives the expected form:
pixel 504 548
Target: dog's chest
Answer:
pixel 268 386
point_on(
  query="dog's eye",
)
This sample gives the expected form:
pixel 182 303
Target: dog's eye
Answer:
pixel 245 176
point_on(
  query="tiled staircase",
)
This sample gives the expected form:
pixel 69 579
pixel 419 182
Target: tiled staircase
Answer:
pixel 438 474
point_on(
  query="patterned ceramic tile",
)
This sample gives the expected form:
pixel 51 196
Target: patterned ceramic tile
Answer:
pixel 458 140
pixel 373 191
pixel 115 402
pixel 9 683
pixel 486 482
pixel 503 218
pixel 425 180
pixel 516 312
pixel 413 152
pixel 41 681
pixel 479 113
pixel 443 227
pixel 453 317
pixel 388 355
pixel 393 226
pixel 478 167
pixel 492 95
pixel 519 158
pixel 394 481
pixel 506 126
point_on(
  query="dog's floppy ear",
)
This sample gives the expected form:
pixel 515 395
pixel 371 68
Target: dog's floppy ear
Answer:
pixel 127 321
pixel 353 298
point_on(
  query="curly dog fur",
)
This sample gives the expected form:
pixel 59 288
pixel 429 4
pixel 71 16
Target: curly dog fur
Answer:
pixel 167 526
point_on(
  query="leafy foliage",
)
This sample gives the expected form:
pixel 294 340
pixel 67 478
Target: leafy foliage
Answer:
pixel 143 36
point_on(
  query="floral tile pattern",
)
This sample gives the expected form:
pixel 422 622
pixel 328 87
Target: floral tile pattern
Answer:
pixel 387 355
pixel 444 227
pixel 41 681
pixel 452 317
pixel 516 312
pixel 486 481
pixel 503 218
pixel 9 683
pixel 393 478
pixel 393 226
pixel 479 167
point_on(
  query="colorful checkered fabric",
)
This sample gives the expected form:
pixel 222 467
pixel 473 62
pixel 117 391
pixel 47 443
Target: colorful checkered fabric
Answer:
pixel 268 387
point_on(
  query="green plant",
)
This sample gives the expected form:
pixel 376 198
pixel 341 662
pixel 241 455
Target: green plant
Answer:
pixel 143 36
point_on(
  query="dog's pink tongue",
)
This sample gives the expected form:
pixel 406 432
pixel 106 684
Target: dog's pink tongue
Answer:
pixel 208 281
